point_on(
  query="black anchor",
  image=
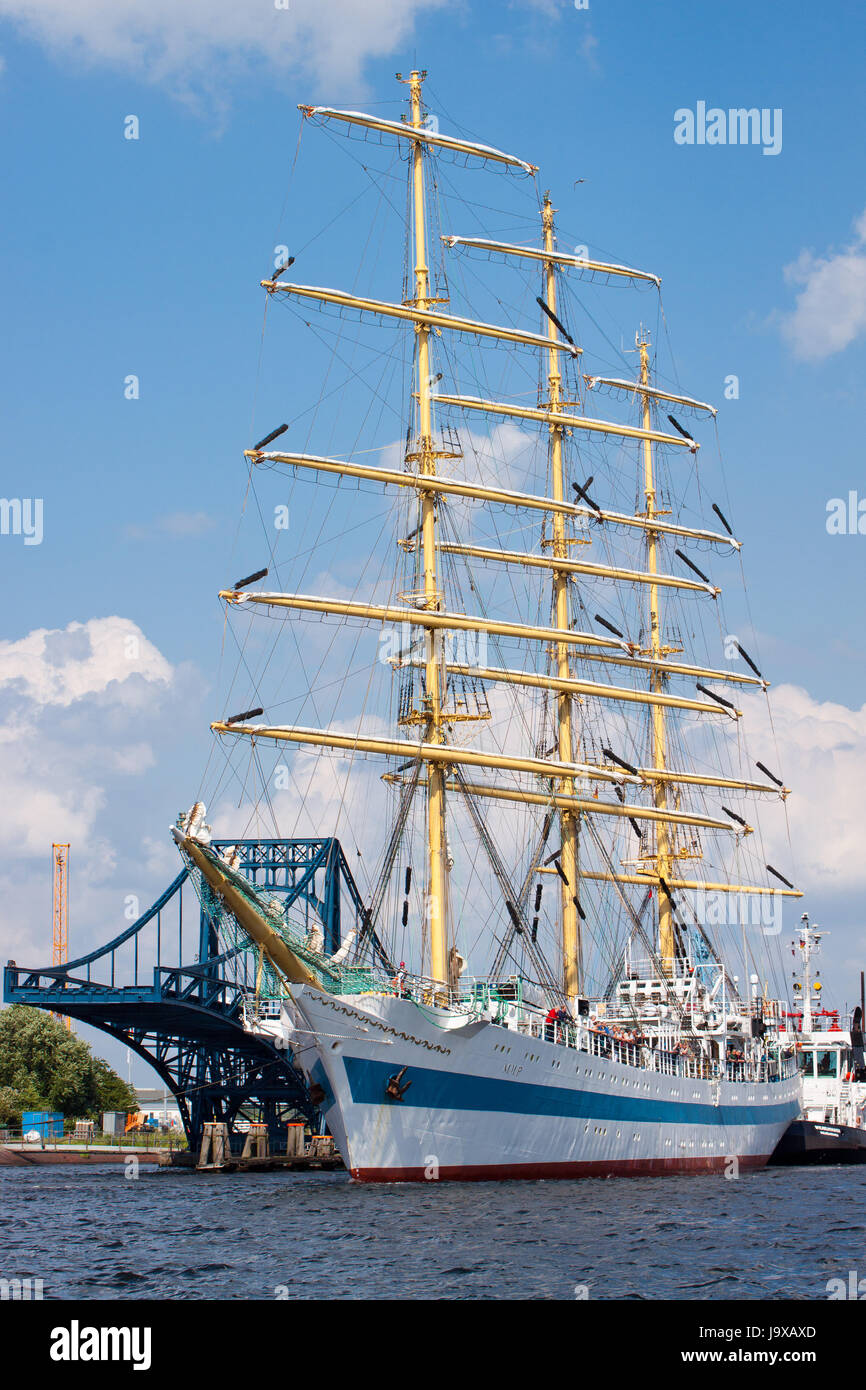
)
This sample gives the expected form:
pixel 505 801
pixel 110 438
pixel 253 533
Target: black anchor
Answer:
pixel 393 1087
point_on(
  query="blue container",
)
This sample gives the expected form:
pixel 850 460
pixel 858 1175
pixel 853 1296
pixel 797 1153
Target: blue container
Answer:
pixel 47 1123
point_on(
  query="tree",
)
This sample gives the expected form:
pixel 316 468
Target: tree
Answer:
pixel 15 1099
pixel 114 1093
pixel 45 1067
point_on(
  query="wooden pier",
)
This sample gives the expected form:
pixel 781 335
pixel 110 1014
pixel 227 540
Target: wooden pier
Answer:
pixel 215 1155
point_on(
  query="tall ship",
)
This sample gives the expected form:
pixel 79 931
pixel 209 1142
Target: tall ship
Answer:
pixel 552 978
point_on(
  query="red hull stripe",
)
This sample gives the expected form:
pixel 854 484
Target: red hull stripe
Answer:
pixel 601 1168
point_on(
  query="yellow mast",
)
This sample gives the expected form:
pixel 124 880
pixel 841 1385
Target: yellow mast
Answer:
pixel 437 874
pixel 657 651
pixel 571 945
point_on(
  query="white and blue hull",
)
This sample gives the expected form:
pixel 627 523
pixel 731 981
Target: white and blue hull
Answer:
pixel 486 1102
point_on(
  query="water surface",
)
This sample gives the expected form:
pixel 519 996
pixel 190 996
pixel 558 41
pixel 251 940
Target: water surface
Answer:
pixel 92 1233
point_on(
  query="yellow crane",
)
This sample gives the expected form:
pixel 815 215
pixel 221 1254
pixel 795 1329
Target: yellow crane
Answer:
pixel 60 897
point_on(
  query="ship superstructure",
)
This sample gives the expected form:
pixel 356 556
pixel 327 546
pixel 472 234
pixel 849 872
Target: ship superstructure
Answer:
pixel 831 1065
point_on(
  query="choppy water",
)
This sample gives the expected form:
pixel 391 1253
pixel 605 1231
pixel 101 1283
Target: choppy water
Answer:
pixel 94 1234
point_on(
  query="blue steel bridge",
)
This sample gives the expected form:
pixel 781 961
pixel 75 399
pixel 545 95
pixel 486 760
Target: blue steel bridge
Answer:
pixel 172 987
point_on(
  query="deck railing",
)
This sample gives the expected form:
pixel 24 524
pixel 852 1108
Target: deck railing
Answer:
pixel 663 1061
pixel 675 1060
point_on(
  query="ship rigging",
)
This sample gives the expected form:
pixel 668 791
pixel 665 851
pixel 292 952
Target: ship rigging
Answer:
pixel 608 735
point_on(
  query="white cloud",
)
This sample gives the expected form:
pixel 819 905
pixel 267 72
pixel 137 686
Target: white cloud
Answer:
pixel 80 708
pixel 552 8
pixel 321 795
pixel 507 456
pixel 160 858
pixel 60 666
pixel 31 816
pixel 195 43
pixel 587 50
pixel 822 757
pixel 56 689
pixel 830 311
pixel 175 525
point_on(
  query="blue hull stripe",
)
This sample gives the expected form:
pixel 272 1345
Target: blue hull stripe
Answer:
pixel 442 1090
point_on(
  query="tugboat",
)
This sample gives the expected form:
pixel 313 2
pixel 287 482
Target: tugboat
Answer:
pixel 830 1061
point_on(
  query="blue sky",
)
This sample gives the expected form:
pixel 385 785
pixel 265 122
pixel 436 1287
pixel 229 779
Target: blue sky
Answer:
pixel 143 257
